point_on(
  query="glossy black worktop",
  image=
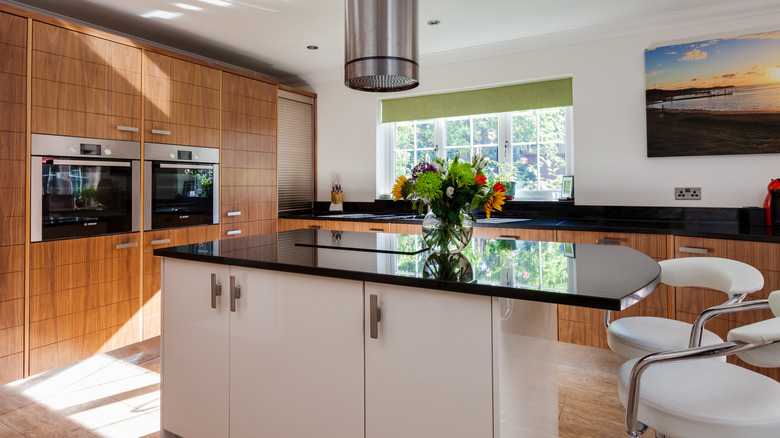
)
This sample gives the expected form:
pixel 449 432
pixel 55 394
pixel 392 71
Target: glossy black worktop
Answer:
pixel 716 223
pixel 597 276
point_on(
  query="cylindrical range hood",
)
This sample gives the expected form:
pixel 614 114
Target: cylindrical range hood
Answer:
pixel 381 45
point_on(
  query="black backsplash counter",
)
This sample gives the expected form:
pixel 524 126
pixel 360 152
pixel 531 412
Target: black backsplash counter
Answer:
pixel 717 223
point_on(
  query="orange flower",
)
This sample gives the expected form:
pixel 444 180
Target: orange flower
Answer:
pixel 481 179
pixel 495 201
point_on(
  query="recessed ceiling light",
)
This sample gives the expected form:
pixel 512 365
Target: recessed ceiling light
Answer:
pixel 165 15
pixel 188 7
pixel 216 2
pixel 433 22
pixel 312 47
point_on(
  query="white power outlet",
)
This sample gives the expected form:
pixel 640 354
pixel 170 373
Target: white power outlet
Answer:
pixel 687 193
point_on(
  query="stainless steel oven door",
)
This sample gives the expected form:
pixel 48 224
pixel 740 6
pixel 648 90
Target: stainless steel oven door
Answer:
pixel 180 194
pixel 83 197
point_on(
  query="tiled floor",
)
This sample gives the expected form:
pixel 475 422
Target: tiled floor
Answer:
pixel 118 395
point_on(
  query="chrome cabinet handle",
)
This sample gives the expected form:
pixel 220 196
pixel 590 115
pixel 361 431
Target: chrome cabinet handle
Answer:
pixel 216 290
pixel 160 242
pixel 691 250
pixel 508 237
pixel 314 227
pixel 233 232
pixel 127 245
pixel 608 241
pixel 375 316
pixel 234 213
pixel 127 128
pixel 160 132
pixel 377 230
pixel 235 293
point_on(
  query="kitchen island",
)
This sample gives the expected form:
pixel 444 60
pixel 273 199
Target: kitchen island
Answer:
pixel 320 333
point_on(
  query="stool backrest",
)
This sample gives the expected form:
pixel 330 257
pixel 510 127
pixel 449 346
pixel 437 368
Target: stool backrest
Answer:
pixel 725 275
pixel 763 332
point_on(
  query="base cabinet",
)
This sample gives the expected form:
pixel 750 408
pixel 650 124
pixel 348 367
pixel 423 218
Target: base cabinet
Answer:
pixel 288 362
pixel 294 359
pixel 429 372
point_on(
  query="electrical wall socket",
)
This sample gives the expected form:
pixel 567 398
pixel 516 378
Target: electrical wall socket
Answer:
pixel 687 193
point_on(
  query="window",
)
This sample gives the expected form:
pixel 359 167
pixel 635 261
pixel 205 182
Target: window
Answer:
pixel 532 147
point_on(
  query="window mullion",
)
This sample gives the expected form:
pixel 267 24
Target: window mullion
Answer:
pixel 439 139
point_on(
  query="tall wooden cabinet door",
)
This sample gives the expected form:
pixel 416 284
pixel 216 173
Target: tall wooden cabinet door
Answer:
pixel 195 350
pixel 13 86
pixel 429 369
pixel 83 298
pixel 296 356
pixel 181 102
pixel 248 187
pixel 84 86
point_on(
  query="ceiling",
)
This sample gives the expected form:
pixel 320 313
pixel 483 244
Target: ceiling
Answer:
pixel 270 36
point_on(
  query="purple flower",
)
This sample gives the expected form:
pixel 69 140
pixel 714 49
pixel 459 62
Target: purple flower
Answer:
pixel 421 168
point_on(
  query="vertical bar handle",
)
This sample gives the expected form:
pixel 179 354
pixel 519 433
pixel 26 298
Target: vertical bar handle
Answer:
pixel 235 293
pixel 216 290
pixel 375 316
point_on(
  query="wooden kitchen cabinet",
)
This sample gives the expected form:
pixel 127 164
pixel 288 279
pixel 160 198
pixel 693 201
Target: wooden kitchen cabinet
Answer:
pixel 84 86
pixel 515 233
pixel 429 372
pixel 292 349
pixel 151 302
pixel 13 92
pixel 248 198
pixel 579 325
pixel 83 298
pixel 181 102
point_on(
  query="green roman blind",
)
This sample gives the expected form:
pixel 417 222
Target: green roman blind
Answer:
pixel 534 95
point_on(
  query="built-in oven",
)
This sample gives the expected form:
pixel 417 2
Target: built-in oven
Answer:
pixel 181 186
pixel 83 187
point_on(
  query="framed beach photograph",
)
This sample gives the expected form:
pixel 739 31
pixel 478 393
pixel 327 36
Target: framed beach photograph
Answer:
pixel 714 97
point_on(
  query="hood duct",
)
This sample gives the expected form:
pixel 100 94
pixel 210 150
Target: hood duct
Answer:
pixel 381 45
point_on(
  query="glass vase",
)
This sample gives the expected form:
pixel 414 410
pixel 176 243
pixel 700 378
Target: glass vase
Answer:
pixel 448 267
pixel 444 237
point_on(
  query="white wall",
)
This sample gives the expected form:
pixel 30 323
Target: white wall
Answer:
pixel 610 162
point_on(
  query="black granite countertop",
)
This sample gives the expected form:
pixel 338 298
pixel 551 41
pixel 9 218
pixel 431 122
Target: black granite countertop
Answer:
pixel 597 276
pixel 717 223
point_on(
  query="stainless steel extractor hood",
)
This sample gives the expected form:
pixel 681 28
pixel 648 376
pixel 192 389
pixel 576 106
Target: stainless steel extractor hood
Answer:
pixel 381 45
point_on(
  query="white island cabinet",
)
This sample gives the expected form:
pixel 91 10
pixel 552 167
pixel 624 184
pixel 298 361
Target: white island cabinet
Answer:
pixel 429 371
pixel 287 362
pixel 298 357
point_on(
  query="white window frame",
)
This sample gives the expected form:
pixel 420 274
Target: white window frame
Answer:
pixel 504 153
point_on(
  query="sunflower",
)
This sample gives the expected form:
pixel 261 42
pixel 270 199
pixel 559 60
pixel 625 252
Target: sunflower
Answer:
pixel 494 202
pixel 398 188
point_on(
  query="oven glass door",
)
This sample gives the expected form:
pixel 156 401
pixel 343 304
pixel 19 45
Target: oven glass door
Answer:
pixel 182 195
pixel 85 198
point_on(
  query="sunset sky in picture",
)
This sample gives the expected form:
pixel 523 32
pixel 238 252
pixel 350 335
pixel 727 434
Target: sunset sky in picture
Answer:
pixel 740 61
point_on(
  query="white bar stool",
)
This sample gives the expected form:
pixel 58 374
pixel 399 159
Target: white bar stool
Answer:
pixel 638 336
pixel 683 398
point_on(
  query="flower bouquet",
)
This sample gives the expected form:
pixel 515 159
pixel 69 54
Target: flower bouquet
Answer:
pixel 450 190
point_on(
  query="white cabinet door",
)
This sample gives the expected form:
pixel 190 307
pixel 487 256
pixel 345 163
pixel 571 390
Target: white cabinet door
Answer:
pixel 195 381
pixel 296 356
pixel 429 372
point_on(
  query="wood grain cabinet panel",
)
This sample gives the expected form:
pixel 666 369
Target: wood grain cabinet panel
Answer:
pixel 181 101
pixel 151 310
pixel 515 233
pixel 13 92
pixel 83 298
pixel 84 86
pixel 248 160
pixel 585 326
